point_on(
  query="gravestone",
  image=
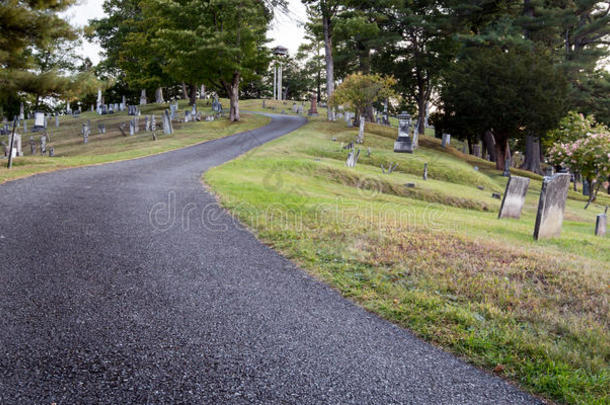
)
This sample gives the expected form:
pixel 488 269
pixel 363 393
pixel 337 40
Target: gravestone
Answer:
pixel 143 97
pixel 600 225
pixel 514 197
pixel 313 109
pixel 147 124
pixel 153 123
pixel 446 140
pixel 39 122
pixel 17 144
pixel 187 116
pixel 173 108
pixel 122 129
pixel 101 128
pixel 551 206
pixel 136 124
pixel 43 145
pixel 32 145
pixel 360 138
pixel 21 112
pixel 425 171
pixel 167 123
pixel 476 150
pixel 586 188
pixel 86 131
pixel 132 127
pixel 295 108
pixel 404 143
pixel 51 151
pixel 352 158
pixel 506 168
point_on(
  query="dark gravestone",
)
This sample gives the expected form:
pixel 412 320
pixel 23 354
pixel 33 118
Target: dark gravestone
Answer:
pixel 506 168
pixel 551 206
pixel 586 188
pixel 514 197
pixel 404 143
pixel 476 150
pixel 600 225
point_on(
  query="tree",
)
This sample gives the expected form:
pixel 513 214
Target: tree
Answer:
pixel 584 147
pixel 358 91
pixel 218 43
pixel 125 37
pixel 27 26
pixel 327 10
pixel 508 91
pixel 422 47
pixel 310 53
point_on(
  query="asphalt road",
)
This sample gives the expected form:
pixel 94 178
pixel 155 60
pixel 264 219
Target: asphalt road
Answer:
pixel 125 283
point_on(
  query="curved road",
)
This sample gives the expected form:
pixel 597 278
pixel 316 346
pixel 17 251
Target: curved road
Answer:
pixel 107 296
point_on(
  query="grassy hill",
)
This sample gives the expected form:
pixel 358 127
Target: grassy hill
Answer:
pixel 435 258
pixel 70 151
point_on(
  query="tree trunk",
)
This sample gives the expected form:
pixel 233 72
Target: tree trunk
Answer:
pixel 489 144
pixel 233 92
pixel 193 94
pixel 532 155
pixel 593 190
pixel 330 67
pixel 421 116
pixel 502 151
pixel 185 93
pixel 319 89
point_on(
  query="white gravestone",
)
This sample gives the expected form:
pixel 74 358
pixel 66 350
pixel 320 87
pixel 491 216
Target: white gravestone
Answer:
pixel 551 206
pixel 514 197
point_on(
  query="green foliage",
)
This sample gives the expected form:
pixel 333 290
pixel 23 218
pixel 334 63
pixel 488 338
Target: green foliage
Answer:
pixel 359 91
pixel 513 92
pixel 220 43
pixel 32 33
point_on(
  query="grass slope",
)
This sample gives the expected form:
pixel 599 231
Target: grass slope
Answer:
pixel 435 258
pixel 70 151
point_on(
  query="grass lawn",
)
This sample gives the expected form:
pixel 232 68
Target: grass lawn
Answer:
pixel 70 151
pixel 435 258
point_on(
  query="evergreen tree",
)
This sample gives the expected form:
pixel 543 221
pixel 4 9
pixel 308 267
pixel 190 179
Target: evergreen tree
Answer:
pixel 25 27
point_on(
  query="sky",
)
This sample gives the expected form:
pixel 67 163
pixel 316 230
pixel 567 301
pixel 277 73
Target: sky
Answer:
pixel 286 29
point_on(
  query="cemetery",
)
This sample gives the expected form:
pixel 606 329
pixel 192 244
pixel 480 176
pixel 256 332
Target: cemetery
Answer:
pixel 304 201
pixel 106 142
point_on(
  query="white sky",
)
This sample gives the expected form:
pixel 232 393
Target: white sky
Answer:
pixel 286 30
